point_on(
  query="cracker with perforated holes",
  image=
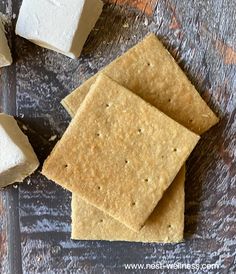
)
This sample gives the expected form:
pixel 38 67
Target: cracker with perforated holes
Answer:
pixel 151 72
pixel 166 223
pixel 119 153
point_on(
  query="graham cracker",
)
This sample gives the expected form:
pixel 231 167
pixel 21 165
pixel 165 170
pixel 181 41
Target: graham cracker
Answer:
pixel 116 69
pixel 151 72
pixel 119 153
pixel 165 224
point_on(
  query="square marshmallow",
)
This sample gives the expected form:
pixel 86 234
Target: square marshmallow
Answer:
pixel 5 54
pixel 59 25
pixel 17 157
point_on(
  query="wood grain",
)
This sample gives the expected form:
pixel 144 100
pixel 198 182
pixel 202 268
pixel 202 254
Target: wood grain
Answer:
pixel 3 234
pixel 145 6
pixel 201 36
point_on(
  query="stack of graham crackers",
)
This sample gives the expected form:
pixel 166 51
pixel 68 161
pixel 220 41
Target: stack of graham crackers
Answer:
pixel 122 157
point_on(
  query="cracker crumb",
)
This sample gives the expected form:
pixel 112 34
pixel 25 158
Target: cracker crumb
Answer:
pixel 5 20
pixel 52 138
pixel 24 127
pixel 146 22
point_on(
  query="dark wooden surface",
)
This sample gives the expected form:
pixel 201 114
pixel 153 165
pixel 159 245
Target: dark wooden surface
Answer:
pixel 35 217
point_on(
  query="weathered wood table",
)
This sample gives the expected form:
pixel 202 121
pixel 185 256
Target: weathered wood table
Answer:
pixel 35 216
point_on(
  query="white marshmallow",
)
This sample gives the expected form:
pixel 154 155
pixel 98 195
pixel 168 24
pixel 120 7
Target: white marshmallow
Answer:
pixel 17 157
pixel 59 25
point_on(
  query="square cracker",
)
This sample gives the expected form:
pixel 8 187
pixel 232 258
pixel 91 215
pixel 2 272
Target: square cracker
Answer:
pixel 115 70
pixel 120 153
pixel 151 72
pixel 166 223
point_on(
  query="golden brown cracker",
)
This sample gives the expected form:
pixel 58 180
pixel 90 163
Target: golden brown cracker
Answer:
pixel 119 153
pixel 166 223
pixel 151 72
